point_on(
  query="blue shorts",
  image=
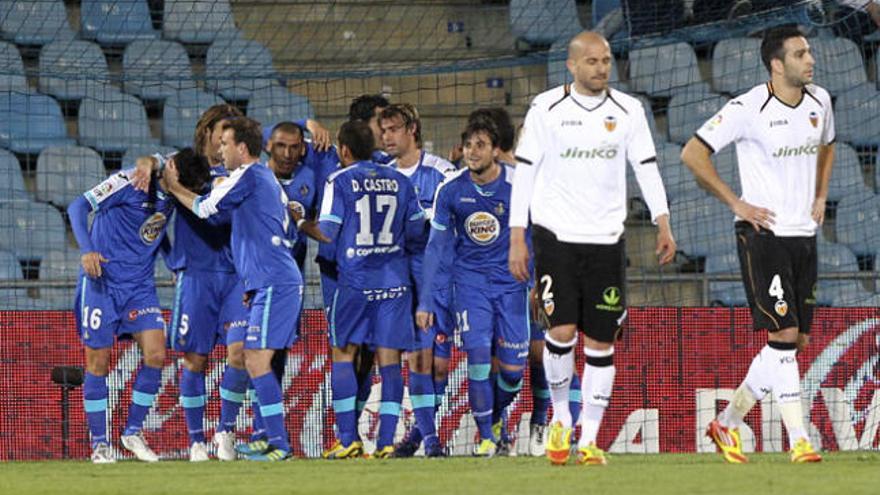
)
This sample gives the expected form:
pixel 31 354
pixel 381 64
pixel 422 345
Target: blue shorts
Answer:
pixel 381 317
pixel 103 312
pixel 208 307
pixel 499 320
pixel 536 331
pixel 440 334
pixel 274 313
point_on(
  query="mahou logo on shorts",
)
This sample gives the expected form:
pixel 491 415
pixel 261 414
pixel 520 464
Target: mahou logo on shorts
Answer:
pixel 152 228
pixel 482 227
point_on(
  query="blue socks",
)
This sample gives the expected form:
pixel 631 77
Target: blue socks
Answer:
pixel 421 393
pixel 389 409
pixel 193 400
pixel 258 428
pixel 145 387
pixel 507 386
pixel 480 390
pixel 574 398
pixel 540 395
pixel 232 394
pixel 95 402
pixel 344 385
pixel 272 409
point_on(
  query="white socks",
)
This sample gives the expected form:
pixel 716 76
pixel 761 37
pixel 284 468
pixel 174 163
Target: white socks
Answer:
pixel 558 369
pixel 596 386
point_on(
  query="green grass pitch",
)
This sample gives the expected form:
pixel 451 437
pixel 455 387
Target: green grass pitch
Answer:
pixel 847 473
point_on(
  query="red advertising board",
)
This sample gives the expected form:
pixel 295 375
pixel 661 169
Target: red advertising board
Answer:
pixel 675 368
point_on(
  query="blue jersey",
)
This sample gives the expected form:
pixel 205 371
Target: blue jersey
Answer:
pixel 260 240
pixel 301 197
pixel 426 177
pixel 127 229
pixel 199 245
pixel 323 164
pixel 381 157
pixel 377 213
pixel 478 215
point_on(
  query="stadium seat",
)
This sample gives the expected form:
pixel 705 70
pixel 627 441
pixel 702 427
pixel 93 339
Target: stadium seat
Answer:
pixel 737 65
pixel 58 265
pixel 73 69
pixel 12 186
pixel 236 68
pixel 652 123
pixel 726 165
pixel 857 115
pixel 156 69
pixel 12 76
pixel 557 72
pixel 659 70
pixel 725 293
pixel 857 223
pixel 677 179
pixel 277 104
pixel 839 64
pixel 837 258
pixel 115 22
pixel 181 113
pixel 134 152
pixel 10 269
pixel 29 22
pixel 31 229
pixel 702 226
pixel 688 111
pixel 846 175
pixel 541 22
pixel 163 275
pixel 30 122
pixel 198 21
pixel 64 173
pixel 114 124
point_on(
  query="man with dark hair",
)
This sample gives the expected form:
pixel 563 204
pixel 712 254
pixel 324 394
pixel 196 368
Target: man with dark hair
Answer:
pixel 784 136
pixel 370 214
pixel 469 233
pixel 257 207
pixel 367 109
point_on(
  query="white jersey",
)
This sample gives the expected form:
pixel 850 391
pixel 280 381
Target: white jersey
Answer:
pixel 777 149
pixel 571 172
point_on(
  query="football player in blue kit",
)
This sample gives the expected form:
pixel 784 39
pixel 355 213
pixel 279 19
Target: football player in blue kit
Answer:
pixel 491 307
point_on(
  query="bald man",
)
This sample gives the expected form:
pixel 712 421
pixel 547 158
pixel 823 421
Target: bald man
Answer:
pixel 571 180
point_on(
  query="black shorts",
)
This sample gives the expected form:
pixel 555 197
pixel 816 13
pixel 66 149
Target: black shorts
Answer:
pixel 779 274
pixel 581 284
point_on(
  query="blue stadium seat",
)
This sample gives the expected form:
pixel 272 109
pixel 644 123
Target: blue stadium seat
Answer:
pixel 30 122
pixel 115 22
pixel 839 64
pixel 688 111
pixel 72 70
pixel 114 123
pixel 541 22
pixel 156 69
pixel 12 76
pixel 737 66
pixel 29 22
pixel 162 274
pixel 857 115
pixel 276 104
pixel 652 123
pixel 198 21
pixel 837 258
pixel 181 113
pixel 726 293
pixel 30 229
pixel 135 152
pixel 57 265
pixel 11 182
pixel 557 72
pixel 677 179
pixel 10 269
pixel 846 176
pixel 857 223
pixel 702 226
pixel 236 68
pixel 65 172
pixel 660 70
pixel 726 165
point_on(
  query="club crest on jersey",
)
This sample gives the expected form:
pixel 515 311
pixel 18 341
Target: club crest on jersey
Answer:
pixel 499 210
pixel 814 119
pixel 297 207
pixel 152 228
pixel 610 123
pixel 482 227
pixel 781 307
pixel 304 190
